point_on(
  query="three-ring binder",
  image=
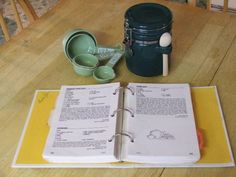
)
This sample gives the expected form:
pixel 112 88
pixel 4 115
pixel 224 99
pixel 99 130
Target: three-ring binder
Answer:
pixel 123 109
pixel 121 134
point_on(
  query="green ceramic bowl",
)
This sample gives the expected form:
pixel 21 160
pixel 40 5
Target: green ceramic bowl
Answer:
pixel 68 35
pixel 78 42
pixel 104 74
pixel 85 64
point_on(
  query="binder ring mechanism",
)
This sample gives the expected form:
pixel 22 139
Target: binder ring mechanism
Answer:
pixel 123 109
pixel 121 134
pixel 121 88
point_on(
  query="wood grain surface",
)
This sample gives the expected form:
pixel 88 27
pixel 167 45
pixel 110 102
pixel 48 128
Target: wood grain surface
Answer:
pixel 204 45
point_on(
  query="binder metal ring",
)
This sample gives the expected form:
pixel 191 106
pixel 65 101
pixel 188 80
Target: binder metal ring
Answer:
pixel 120 88
pixel 121 134
pixel 116 90
pixel 131 90
pixel 123 109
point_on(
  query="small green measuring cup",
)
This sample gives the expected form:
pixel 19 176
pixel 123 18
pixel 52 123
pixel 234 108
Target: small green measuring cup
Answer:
pixel 105 74
pixel 85 64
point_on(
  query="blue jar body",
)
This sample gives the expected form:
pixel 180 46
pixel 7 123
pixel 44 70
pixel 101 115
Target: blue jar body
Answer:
pixel 143 53
pixel 143 61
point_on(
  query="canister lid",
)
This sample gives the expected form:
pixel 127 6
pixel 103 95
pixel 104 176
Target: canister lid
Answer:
pixel 148 16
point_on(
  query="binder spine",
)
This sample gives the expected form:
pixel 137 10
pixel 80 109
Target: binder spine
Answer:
pixel 121 134
pixel 122 109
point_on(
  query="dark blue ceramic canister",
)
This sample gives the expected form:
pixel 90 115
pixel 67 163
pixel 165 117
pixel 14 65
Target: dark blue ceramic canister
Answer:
pixel 143 27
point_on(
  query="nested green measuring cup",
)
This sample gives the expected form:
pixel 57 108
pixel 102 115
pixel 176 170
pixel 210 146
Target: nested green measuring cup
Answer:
pixel 80 41
pixel 85 64
pixel 105 74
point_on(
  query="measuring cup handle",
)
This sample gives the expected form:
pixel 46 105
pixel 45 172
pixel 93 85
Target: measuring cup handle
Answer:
pixel 105 52
pixel 108 49
pixel 114 59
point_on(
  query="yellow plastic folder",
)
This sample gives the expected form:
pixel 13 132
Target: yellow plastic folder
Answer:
pixel 209 119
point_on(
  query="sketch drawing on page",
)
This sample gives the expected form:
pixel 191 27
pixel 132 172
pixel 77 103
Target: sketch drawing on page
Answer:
pixel 159 135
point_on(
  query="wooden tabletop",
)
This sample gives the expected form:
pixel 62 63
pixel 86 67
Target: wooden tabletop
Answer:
pixel 204 45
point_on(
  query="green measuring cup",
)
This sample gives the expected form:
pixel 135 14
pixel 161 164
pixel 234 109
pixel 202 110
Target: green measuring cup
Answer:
pixel 105 74
pixel 85 64
pixel 80 44
pixel 80 41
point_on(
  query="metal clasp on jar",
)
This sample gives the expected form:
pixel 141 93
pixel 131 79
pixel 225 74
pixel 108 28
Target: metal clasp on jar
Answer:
pixel 128 37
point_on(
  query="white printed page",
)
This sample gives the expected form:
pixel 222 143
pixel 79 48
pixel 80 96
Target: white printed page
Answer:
pixel 82 124
pixel 163 126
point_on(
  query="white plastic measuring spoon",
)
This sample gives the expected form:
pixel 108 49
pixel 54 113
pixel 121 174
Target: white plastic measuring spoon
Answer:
pixel 165 41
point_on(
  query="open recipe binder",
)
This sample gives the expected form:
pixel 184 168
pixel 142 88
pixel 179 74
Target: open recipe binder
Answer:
pixel 152 125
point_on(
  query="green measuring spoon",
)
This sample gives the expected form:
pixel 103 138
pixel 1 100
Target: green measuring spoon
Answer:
pixel 105 74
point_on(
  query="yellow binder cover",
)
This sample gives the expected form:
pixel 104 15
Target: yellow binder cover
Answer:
pixel 208 115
